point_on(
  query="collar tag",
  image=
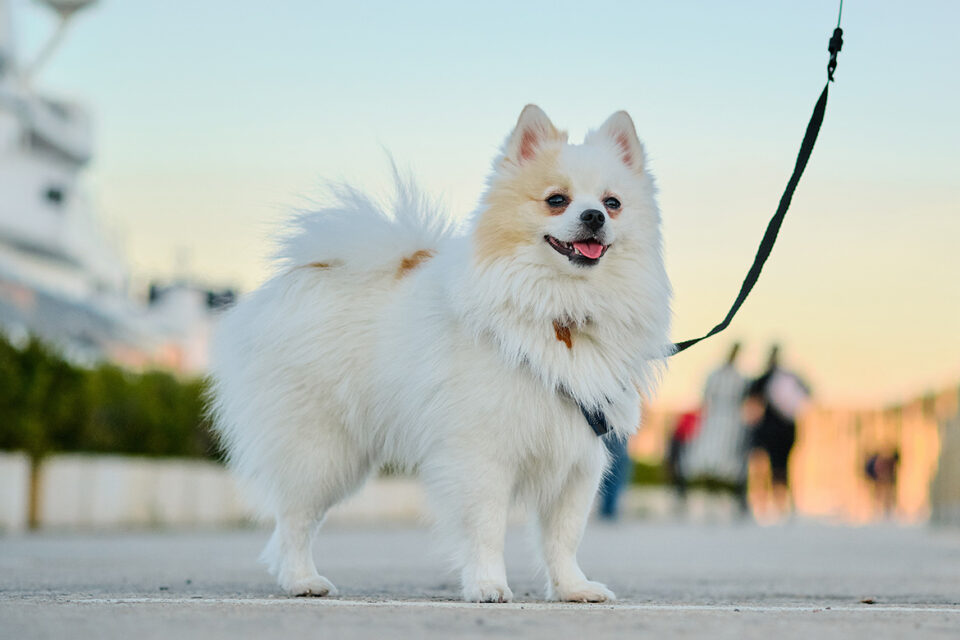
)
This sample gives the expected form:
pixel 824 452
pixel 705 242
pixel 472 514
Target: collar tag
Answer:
pixel 562 331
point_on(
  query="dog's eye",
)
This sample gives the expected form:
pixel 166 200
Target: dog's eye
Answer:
pixel 558 200
pixel 611 203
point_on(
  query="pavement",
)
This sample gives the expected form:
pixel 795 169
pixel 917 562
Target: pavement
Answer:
pixel 798 580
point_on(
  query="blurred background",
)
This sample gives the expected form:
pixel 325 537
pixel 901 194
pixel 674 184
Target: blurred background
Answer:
pixel 148 151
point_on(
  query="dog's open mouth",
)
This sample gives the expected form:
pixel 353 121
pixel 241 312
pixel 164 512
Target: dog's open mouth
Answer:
pixel 586 251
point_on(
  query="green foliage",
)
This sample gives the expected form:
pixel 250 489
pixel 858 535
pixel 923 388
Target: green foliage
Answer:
pixel 648 473
pixel 49 405
pixel 652 473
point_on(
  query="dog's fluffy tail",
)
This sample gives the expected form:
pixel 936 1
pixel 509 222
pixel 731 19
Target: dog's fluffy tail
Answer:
pixel 358 233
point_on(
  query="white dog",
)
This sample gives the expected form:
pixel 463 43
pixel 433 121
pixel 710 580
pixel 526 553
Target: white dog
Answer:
pixel 473 358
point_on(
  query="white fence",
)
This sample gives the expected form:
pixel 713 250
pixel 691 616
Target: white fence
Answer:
pixel 14 490
pixel 80 491
pixel 104 491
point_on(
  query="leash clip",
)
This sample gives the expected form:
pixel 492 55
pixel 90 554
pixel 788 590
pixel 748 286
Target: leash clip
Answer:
pixel 836 43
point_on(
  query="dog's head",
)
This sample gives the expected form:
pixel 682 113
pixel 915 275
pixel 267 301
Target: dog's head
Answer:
pixel 568 270
pixel 572 207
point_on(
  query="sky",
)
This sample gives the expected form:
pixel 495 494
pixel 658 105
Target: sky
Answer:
pixel 215 119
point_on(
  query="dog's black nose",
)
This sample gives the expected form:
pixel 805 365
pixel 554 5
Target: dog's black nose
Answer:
pixel 592 218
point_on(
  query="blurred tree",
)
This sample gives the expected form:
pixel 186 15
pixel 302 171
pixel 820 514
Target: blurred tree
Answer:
pixel 49 405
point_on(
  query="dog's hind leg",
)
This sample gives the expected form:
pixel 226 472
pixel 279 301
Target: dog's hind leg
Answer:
pixel 289 554
pixel 300 509
pixel 562 521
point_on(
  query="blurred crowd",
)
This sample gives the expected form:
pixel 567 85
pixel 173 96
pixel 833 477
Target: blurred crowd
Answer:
pixel 742 422
pixel 743 428
pixel 738 439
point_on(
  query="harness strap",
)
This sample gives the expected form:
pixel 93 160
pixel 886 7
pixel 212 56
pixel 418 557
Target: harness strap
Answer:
pixel 596 419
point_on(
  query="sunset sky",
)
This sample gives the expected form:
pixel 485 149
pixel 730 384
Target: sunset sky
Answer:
pixel 215 118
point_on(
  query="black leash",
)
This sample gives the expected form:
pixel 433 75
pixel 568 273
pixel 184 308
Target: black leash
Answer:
pixel 773 228
pixel 595 417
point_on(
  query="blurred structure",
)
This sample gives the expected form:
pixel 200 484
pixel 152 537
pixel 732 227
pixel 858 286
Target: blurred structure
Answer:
pixel 945 492
pixel 60 277
pixel 826 467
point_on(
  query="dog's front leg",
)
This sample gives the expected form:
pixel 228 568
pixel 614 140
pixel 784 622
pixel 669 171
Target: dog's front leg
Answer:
pixel 562 521
pixel 484 575
pixel 472 497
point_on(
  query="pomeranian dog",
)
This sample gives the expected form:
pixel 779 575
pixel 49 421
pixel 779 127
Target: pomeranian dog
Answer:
pixel 479 357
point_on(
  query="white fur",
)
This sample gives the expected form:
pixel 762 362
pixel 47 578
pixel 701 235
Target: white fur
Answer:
pixel 325 373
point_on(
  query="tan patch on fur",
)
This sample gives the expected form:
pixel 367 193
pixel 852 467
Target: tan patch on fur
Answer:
pixel 413 261
pixel 317 265
pixel 563 334
pixel 515 208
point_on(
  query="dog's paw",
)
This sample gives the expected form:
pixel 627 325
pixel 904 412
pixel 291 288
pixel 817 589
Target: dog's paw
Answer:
pixel 584 592
pixel 315 587
pixel 487 591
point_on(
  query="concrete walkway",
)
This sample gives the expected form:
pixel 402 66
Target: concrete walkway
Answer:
pixel 725 581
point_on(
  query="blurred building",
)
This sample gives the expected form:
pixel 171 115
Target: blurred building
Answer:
pixel 60 277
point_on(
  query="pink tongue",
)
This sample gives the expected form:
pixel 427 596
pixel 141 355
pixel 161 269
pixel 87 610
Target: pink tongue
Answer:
pixel 590 248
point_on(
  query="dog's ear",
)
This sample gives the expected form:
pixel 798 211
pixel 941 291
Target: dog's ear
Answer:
pixel 619 129
pixel 533 130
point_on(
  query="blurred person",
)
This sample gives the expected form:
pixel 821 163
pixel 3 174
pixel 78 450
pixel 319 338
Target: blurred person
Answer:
pixel 721 447
pixel 683 432
pixel 616 478
pixel 772 403
pixel 881 470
